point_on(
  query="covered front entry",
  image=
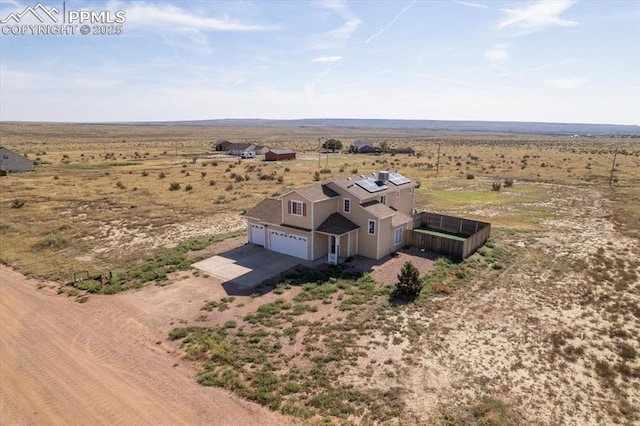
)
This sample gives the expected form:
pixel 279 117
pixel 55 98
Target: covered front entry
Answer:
pixel 342 237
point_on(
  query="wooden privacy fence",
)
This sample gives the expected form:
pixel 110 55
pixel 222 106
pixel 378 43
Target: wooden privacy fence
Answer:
pixel 474 234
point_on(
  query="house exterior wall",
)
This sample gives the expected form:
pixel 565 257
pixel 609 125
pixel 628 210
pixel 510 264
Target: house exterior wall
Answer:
pixel 13 162
pixel 238 151
pixel 387 238
pixel 303 221
pixel 321 245
pixel 404 203
pixel 323 209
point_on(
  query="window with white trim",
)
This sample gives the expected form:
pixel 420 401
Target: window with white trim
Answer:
pixel 346 206
pixel 383 199
pixel 397 236
pixel 297 208
pixel 372 227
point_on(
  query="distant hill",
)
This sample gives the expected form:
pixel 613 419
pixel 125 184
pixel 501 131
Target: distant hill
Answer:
pixel 520 127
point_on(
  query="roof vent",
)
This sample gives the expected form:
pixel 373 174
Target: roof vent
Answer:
pixel 383 176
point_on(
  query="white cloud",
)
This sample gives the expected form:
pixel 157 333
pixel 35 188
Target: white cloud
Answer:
pixel 327 59
pixel 167 16
pixel 566 83
pixel 345 31
pixel 498 53
pixel 337 36
pixel 536 16
pixel 470 4
pixel 393 21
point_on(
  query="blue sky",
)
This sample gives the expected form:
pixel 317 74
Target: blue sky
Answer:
pixel 553 61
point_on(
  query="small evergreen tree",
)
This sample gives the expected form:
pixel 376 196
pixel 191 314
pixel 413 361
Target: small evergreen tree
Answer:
pixel 409 284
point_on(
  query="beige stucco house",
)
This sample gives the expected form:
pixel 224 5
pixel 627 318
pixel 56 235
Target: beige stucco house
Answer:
pixel 362 215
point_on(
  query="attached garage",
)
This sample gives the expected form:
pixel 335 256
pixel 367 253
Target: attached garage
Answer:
pixel 256 234
pixel 291 244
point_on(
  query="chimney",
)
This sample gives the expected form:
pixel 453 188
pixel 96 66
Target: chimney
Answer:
pixel 383 176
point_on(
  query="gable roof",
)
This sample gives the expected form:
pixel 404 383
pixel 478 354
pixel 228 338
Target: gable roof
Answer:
pixel 316 192
pixel 336 224
pixel 240 146
pixel 361 143
pixel 268 210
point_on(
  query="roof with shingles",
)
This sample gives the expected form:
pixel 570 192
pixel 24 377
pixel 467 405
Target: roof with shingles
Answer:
pixel 350 186
pixel 317 192
pixel 337 224
pixel 400 219
pixel 378 209
pixel 268 210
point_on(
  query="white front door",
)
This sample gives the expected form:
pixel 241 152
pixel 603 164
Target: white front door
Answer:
pixel 291 244
pixel 334 249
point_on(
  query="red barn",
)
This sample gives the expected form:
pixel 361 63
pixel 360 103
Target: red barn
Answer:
pixel 279 154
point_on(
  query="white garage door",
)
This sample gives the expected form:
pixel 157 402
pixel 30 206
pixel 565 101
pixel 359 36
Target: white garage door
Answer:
pixel 256 234
pixel 291 244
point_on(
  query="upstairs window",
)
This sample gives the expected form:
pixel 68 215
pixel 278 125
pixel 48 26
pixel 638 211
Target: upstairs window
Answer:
pixel 297 208
pixel 383 199
pixel 397 194
pixel 347 205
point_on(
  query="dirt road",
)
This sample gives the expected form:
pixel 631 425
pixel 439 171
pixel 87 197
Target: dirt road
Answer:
pixel 63 362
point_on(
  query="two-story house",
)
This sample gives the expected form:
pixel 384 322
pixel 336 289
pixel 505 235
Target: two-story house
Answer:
pixel 359 215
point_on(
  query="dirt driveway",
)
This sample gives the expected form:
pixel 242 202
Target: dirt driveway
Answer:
pixel 102 362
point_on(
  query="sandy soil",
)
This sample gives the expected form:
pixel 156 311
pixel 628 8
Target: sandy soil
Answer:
pixel 104 362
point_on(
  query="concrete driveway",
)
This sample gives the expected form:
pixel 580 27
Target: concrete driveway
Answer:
pixel 247 266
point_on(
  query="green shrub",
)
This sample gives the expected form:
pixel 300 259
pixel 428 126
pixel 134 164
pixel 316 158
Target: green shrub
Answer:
pixel 178 333
pixel 409 284
pixel 495 186
pixel 188 187
pixel 174 186
pixel 508 183
pixel 91 286
pixel 470 176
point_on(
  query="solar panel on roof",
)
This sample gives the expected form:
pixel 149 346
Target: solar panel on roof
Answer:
pixel 370 185
pixel 398 179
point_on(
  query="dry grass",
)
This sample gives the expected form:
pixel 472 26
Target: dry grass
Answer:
pixel 550 335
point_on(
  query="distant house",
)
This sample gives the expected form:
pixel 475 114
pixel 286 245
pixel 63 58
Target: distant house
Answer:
pixel 239 148
pixel 223 145
pixel 13 162
pixel 261 149
pixel 365 147
pixel 279 154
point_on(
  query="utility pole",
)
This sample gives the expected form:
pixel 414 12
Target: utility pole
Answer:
pixel 613 166
pixel 319 140
pixel 438 163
